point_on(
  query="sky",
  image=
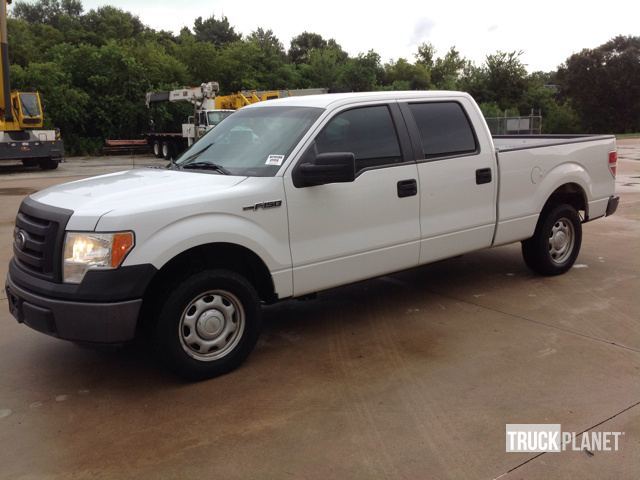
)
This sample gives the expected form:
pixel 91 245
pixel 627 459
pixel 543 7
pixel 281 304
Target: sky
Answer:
pixel 546 31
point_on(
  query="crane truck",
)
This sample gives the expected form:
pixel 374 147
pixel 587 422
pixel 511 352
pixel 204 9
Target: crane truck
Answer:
pixel 209 109
pixel 21 120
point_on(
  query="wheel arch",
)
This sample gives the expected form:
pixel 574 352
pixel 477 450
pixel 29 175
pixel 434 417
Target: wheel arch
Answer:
pixel 224 255
pixel 567 183
pixel 570 193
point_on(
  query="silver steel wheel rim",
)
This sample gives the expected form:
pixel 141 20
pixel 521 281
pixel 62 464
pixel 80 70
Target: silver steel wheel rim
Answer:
pixel 211 326
pixel 165 150
pixel 561 240
pixel 156 149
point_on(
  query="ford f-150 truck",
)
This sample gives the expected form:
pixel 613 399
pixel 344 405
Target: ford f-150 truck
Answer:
pixel 290 197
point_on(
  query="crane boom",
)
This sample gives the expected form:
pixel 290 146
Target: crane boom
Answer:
pixel 209 109
pixel 5 90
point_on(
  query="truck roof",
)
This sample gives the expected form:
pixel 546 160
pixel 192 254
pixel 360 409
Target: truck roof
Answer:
pixel 324 101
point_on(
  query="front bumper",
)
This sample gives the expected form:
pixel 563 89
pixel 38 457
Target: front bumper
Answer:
pixel 113 322
pixel 612 205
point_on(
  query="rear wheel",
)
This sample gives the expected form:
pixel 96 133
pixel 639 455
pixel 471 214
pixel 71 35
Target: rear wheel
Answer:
pixel 207 324
pixel 48 164
pixel 157 149
pixel 555 245
pixel 167 150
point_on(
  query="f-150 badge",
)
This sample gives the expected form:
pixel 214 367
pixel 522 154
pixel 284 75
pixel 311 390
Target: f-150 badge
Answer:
pixel 263 205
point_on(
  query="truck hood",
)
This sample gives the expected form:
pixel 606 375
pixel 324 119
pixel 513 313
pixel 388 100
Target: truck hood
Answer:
pixel 142 188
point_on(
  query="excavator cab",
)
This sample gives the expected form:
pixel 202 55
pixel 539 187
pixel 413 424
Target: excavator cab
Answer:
pixel 28 109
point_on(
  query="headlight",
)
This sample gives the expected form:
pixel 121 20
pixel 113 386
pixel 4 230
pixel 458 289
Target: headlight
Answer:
pixel 88 251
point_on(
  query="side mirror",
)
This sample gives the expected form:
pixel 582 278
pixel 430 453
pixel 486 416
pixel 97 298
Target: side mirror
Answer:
pixel 334 167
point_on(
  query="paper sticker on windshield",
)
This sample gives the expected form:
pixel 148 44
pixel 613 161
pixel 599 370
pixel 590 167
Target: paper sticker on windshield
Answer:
pixel 275 160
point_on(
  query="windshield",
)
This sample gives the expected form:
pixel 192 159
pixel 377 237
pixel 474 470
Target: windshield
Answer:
pixel 216 117
pixel 29 103
pixel 253 141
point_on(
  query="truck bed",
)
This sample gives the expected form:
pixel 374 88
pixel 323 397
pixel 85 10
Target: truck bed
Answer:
pixel 506 143
pixel 531 167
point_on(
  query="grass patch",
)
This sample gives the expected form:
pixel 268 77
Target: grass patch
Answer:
pixel 627 135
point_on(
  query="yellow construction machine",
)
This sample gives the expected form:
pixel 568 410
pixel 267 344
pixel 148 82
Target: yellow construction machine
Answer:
pixel 21 118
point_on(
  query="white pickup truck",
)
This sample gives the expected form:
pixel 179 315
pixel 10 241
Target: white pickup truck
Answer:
pixel 289 197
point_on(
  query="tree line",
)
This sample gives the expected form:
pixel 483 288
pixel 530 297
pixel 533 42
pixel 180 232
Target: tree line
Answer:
pixel 93 70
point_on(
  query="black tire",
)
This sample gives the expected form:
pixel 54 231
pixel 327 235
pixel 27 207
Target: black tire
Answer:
pixel 167 150
pixel 157 148
pixel 48 164
pixel 539 252
pixel 30 162
pixel 170 330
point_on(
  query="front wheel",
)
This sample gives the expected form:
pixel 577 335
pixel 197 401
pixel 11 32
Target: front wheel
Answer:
pixel 208 324
pixel 555 245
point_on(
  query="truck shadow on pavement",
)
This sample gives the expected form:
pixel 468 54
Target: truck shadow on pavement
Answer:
pixel 295 330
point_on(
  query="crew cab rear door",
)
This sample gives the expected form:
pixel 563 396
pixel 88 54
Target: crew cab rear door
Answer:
pixel 344 232
pixel 457 176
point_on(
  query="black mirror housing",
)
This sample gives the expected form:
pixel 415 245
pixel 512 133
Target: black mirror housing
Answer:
pixel 333 167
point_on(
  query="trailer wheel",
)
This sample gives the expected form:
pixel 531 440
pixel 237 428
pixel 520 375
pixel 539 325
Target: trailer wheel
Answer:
pixel 48 164
pixel 157 149
pixel 167 150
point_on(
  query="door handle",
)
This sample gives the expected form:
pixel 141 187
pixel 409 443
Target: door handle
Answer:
pixel 483 175
pixel 407 188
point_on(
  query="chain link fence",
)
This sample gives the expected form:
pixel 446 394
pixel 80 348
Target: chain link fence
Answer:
pixel 529 125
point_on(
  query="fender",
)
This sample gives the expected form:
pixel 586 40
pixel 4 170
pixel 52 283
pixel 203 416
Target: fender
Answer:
pixel 183 234
pixel 569 172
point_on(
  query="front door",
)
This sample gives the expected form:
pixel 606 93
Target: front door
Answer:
pixel 344 232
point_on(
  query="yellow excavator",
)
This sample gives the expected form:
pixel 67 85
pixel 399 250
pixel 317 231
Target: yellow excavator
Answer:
pixel 21 118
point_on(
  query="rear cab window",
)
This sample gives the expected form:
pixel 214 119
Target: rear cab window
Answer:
pixel 445 129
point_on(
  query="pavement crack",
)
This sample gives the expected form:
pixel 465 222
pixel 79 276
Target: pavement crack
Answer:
pixel 577 435
pixel 538 322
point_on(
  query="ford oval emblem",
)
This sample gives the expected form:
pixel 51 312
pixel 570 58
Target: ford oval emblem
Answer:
pixel 20 239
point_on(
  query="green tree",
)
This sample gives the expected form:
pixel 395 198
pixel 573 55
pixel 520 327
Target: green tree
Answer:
pixel 217 31
pixel 47 11
pixel 304 44
pixel 603 85
pixel 322 69
pixel 502 79
pixel 403 75
pixel 361 73
pixel 110 23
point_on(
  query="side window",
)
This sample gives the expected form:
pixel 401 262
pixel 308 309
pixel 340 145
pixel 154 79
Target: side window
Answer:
pixel 444 129
pixel 368 132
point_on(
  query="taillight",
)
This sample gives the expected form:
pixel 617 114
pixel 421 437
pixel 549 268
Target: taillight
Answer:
pixel 613 163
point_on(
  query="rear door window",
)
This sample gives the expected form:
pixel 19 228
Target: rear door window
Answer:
pixel 444 129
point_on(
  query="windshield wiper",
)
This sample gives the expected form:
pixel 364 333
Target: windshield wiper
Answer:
pixel 206 166
pixel 195 155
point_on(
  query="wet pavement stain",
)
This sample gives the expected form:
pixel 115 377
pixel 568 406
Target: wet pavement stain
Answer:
pixel 15 191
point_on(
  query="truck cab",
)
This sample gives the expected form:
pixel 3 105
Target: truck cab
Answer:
pixel 202 122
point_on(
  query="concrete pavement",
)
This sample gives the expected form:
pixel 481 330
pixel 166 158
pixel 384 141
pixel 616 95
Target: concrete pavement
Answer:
pixel 412 375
